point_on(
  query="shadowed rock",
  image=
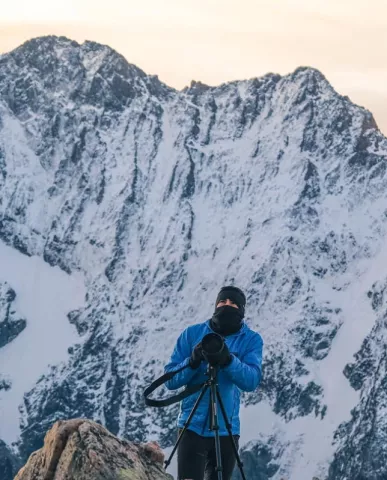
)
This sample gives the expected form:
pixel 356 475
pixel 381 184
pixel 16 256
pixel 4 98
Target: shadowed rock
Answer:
pixel 10 322
pixel 80 449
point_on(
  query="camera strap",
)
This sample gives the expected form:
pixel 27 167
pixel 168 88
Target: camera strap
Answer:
pixel 174 398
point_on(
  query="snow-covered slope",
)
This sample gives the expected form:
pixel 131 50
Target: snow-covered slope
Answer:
pixel 149 200
pixel 44 296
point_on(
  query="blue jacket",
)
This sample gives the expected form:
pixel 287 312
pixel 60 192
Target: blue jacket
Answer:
pixel 243 373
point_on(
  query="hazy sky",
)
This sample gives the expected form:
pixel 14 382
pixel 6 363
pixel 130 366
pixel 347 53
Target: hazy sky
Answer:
pixel 220 40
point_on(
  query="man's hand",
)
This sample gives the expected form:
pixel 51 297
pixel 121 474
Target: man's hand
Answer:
pixel 225 357
pixel 219 359
pixel 196 356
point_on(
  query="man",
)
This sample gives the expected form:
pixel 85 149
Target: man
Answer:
pixel 240 369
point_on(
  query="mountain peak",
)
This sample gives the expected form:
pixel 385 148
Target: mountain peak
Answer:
pixel 52 69
pixel 62 48
pixel 47 42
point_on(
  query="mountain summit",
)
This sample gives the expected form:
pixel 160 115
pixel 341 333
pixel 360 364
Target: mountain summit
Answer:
pixel 125 205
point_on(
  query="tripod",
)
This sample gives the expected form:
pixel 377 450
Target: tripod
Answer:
pixel 215 399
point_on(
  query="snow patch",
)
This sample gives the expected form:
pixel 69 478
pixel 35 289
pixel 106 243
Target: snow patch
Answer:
pixel 44 296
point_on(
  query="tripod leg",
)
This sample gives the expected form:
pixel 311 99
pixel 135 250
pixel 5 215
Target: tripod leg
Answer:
pixel 215 427
pixel 168 461
pixel 228 426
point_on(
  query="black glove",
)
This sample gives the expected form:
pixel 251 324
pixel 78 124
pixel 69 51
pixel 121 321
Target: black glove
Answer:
pixel 196 356
pixel 224 357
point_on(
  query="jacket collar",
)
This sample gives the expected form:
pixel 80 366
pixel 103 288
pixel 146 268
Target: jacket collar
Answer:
pixel 242 331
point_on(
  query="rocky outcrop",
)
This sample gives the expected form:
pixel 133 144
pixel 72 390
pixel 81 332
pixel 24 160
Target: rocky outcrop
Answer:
pixel 9 463
pixel 84 450
pixel 10 323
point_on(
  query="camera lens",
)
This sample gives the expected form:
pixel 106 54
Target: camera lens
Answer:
pixel 212 343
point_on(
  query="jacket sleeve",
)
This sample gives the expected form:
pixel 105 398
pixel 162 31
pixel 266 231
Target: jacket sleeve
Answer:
pixel 180 358
pixel 246 373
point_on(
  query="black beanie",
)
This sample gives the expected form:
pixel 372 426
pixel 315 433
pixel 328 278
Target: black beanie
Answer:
pixel 235 294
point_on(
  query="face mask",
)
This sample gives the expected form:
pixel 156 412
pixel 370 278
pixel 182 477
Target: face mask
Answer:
pixel 226 320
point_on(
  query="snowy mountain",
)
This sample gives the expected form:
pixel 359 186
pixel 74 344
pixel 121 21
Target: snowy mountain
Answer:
pixel 125 205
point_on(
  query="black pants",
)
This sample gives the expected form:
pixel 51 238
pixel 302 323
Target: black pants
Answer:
pixel 196 457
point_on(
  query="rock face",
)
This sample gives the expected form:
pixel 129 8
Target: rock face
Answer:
pixel 10 323
pixel 84 450
pixel 159 197
pixel 9 463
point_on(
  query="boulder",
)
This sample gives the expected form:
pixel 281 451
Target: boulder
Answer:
pixel 81 449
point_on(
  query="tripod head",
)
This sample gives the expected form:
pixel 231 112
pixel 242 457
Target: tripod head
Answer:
pixel 212 372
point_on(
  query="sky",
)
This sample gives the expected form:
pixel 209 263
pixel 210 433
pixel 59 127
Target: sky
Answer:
pixel 215 41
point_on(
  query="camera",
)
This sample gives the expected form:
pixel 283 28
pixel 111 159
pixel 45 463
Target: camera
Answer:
pixel 212 347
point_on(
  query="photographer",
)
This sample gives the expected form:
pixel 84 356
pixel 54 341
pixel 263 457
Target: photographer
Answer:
pixel 239 364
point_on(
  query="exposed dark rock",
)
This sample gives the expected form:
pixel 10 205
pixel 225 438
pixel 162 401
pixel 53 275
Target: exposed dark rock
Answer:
pixel 260 460
pixel 9 462
pixel 11 325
